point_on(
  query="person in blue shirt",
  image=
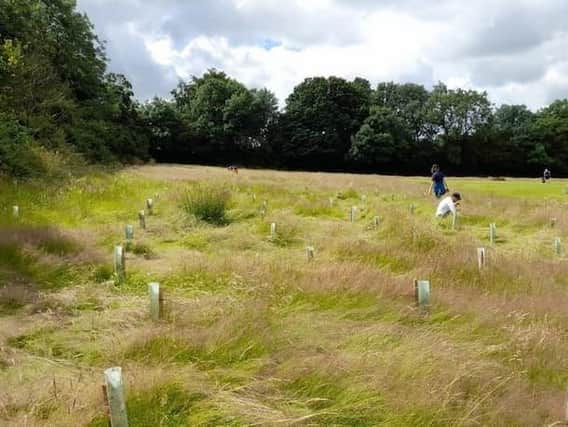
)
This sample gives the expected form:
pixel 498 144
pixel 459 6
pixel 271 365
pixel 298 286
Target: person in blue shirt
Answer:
pixel 438 187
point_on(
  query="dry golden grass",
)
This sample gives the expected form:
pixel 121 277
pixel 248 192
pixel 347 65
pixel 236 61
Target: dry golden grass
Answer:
pixel 255 334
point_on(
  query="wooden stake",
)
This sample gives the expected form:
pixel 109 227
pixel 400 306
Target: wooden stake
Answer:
pixel 566 409
pixel 161 302
pixel 119 268
pixel 54 389
pixel 481 258
pixel 376 222
pixel 273 231
pixel 142 218
pixel 150 206
pixel 105 403
pixel 16 211
pixel 155 306
pixel 115 397
pixel 129 232
pixel 412 208
pixel 353 214
pixel 310 253
pixel 422 294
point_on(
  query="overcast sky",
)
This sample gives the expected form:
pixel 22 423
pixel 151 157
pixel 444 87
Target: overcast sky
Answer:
pixel 516 50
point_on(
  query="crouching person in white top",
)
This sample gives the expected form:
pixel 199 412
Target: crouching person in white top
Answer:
pixel 448 205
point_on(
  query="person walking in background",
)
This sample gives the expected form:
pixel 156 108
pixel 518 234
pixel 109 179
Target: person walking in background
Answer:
pixel 546 175
pixel 438 186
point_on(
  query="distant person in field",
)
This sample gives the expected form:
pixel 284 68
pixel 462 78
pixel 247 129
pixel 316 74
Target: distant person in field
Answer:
pixel 448 205
pixel 546 175
pixel 438 186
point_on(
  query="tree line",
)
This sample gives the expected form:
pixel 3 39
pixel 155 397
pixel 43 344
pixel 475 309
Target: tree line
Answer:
pixel 336 124
pixel 57 100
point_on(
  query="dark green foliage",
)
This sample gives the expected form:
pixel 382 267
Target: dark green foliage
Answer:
pixel 459 118
pixel 321 117
pixel 551 135
pixel 18 153
pixel 58 105
pixel 381 141
pixel 169 136
pixel 55 97
pixel 334 124
pixel 214 119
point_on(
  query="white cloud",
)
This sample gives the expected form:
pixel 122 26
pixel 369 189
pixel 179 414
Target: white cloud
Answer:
pixel 514 49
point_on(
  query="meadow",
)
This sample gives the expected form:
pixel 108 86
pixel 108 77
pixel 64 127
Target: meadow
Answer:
pixel 256 333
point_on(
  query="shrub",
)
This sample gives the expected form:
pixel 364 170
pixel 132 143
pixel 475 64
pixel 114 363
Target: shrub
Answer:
pixel 17 155
pixel 207 203
pixel 22 156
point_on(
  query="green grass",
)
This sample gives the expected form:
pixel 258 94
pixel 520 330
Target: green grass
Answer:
pixel 17 265
pixel 252 332
pixel 56 344
pixel 207 203
pixel 167 405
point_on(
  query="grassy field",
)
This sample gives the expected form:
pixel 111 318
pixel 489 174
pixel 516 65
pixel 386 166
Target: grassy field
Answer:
pixel 256 334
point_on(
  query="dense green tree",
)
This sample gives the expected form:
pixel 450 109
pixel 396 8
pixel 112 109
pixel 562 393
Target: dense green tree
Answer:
pixel 510 143
pixel 110 126
pixel 247 116
pixel 320 118
pixel 551 136
pixel 53 84
pixel 408 101
pixel 202 102
pixel 381 141
pixel 53 29
pixel 169 137
pixel 460 120
pixel 224 119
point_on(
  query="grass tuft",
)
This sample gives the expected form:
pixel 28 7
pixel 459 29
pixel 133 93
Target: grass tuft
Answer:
pixel 350 193
pixel 167 405
pixel 207 203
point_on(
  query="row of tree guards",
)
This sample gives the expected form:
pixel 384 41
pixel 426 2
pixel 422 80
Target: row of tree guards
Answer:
pixel 119 256
pixel 113 387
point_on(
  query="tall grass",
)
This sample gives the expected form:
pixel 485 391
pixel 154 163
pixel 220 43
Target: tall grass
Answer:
pixel 207 203
pixel 256 335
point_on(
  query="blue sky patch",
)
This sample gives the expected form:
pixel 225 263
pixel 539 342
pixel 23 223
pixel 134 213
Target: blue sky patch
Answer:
pixel 269 44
